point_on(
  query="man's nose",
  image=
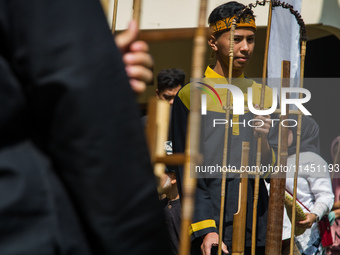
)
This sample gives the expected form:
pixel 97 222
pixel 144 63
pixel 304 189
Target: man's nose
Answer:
pixel 244 45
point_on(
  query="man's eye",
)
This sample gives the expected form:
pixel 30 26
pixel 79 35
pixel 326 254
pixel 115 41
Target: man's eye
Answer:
pixel 251 40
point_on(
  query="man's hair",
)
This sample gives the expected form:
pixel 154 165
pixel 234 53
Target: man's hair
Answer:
pixel 170 78
pixel 228 10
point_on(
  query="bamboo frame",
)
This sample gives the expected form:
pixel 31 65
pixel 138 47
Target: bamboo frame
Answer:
pixel 226 135
pixel 302 70
pixel 157 129
pixel 259 140
pixel 228 108
pixel 191 156
pixel 188 197
pixel 193 135
pixel 199 39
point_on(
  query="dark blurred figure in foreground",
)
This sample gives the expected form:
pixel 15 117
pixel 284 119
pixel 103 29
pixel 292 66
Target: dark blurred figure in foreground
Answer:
pixel 70 181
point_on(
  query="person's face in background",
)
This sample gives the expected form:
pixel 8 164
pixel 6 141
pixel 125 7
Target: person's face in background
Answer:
pixel 167 180
pixel 168 94
pixel 244 44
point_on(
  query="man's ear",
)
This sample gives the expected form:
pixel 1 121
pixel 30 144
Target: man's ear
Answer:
pixel 212 42
pixel 173 181
pixel 157 93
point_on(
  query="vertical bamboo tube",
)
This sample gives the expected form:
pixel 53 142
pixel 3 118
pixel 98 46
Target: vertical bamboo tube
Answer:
pixel 193 134
pixel 137 6
pixel 114 16
pixel 226 135
pixel 240 217
pixel 259 140
pixel 302 70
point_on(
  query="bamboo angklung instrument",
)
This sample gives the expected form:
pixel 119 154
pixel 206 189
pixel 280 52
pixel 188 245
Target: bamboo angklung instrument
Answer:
pixel 226 135
pixel 303 38
pixel 239 223
pixel 157 129
pixel 228 108
pixel 273 3
pixel 259 140
pixel 114 16
pixel 278 182
pixel 158 112
pixel 193 134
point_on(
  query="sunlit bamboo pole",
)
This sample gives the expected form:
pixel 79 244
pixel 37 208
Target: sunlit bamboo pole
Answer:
pixel 114 16
pixel 240 217
pixel 259 140
pixel 302 69
pixel 137 6
pixel 226 135
pixel 193 134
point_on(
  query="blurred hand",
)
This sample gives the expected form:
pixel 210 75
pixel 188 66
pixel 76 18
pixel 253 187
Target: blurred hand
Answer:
pixel 308 222
pixel 209 241
pixel 136 57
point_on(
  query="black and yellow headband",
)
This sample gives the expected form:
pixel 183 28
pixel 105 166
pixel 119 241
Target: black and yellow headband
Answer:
pixel 225 24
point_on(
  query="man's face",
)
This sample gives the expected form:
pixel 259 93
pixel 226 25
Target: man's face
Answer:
pixel 166 181
pixel 244 44
pixel 168 94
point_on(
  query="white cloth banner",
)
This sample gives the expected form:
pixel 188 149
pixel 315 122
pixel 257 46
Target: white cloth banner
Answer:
pixel 284 44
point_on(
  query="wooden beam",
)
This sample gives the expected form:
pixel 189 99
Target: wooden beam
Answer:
pixel 163 35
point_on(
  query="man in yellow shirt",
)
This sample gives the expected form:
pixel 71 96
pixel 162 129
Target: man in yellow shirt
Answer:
pixel 207 209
